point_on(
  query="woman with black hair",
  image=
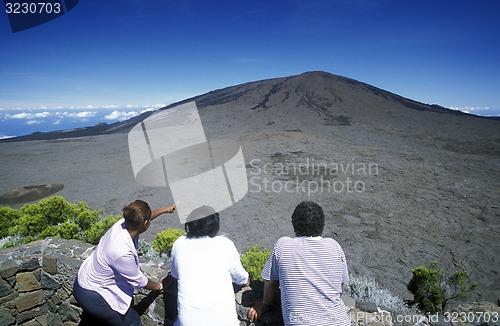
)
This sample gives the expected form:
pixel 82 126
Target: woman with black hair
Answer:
pixel 108 277
pixel 204 265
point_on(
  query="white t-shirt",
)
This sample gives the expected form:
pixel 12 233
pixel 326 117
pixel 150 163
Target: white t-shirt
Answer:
pixel 205 269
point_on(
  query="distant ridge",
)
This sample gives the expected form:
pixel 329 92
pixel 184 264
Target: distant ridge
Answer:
pixel 320 91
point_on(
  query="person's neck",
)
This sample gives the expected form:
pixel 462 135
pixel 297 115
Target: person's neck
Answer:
pixel 133 233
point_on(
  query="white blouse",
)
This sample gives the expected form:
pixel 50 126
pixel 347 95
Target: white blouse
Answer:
pixel 205 269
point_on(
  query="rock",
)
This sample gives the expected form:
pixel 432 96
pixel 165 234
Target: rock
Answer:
pixel 29 300
pixel 348 301
pixel 6 318
pixel 366 306
pixel 8 300
pixel 54 319
pixel 30 264
pixel 49 283
pixel 69 312
pixel 26 282
pixel 5 288
pixel 8 269
pixel 42 320
pixel 32 313
pixel 49 264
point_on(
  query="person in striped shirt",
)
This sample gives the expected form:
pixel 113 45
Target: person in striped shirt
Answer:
pixel 309 271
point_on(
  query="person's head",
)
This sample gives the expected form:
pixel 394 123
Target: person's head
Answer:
pixel 137 216
pixel 201 222
pixel 308 219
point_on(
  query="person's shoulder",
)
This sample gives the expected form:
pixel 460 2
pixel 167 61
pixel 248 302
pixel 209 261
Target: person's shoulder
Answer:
pixel 115 234
pixel 119 225
pixel 180 240
pixel 178 244
pixel 332 242
pixel 222 239
pixel 284 241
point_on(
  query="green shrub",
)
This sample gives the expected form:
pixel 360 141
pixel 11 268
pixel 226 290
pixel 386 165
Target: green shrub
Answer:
pixel 433 289
pixel 254 260
pixel 164 241
pixel 85 217
pixel 97 230
pixel 7 217
pixel 53 217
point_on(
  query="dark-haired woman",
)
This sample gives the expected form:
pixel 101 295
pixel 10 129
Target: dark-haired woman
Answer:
pixel 205 266
pixel 108 277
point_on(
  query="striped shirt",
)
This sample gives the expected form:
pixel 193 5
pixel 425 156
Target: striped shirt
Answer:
pixel 311 271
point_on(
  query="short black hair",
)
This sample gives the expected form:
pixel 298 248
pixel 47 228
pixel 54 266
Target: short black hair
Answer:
pixel 308 219
pixel 203 221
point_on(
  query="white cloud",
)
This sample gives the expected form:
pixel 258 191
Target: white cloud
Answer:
pixel 147 110
pixel 121 115
pixel 477 110
pixel 77 115
pixel 85 114
pixel 33 122
pixel 24 115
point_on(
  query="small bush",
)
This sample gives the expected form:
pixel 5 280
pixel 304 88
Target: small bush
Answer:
pixel 367 289
pixel 53 217
pixel 433 289
pixel 145 249
pixel 254 260
pixel 164 241
pixel 97 230
pixel 10 241
pixel 7 217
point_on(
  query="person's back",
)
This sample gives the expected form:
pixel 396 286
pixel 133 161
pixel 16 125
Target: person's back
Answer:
pixel 204 265
pixel 311 272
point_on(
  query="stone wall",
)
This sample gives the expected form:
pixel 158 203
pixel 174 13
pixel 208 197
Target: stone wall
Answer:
pixel 36 282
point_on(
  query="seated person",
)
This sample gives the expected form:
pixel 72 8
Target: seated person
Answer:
pixel 204 265
pixel 309 270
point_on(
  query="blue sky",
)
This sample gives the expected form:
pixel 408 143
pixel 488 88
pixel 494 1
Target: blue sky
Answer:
pixel 133 55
